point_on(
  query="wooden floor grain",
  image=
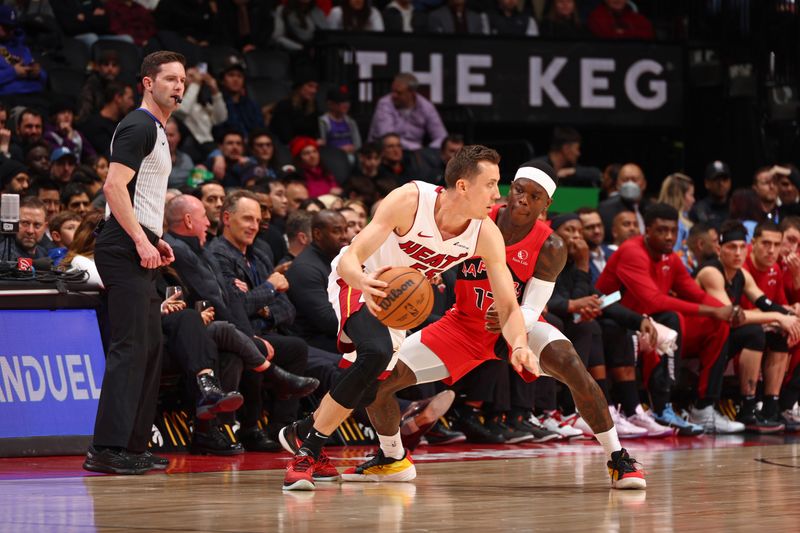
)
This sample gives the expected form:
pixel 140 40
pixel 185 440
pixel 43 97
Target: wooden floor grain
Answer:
pixel 711 489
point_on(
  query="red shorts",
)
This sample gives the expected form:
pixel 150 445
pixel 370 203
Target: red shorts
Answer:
pixel 462 345
pixel 348 303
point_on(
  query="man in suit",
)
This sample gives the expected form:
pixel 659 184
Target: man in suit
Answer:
pixel 594 234
pixel 248 269
pixel 201 274
pixel 631 186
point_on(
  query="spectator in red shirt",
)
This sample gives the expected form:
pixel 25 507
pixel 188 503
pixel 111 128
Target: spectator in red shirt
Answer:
pixel 615 19
pixel 126 17
pixel 649 271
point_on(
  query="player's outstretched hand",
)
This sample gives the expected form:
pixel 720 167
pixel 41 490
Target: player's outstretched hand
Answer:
pixel 371 286
pixel 523 357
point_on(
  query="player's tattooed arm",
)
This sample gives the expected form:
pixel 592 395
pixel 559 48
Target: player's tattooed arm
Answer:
pixel 552 258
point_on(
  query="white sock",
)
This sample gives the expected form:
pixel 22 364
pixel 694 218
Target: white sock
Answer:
pixel 392 445
pixel 609 441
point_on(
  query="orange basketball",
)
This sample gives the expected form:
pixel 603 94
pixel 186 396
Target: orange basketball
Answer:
pixel 409 298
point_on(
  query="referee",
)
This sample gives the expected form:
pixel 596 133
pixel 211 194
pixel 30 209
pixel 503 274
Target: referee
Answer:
pixel 129 250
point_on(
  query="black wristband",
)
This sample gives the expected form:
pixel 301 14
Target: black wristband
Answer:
pixel 767 305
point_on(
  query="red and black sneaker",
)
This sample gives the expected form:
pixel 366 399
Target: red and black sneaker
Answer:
pixel 299 473
pixel 324 469
pixel 623 471
pixel 289 437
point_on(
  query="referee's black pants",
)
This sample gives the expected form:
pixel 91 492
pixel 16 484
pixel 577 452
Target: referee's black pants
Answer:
pixel 129 395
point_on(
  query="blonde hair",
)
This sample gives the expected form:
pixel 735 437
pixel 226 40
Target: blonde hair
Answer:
pixel 673 192
pixel 674 189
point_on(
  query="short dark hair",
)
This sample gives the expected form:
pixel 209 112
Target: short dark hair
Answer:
pixel 29 111
pixel 790 222
pixel 112 90
pixel 662 211
pixel 232 200
pixel 586 210
pixel 254 134
pixel 44 184
pixel 464 164
pixel 298 221
pixel 700 228
pixel 369 148
pixel 564 135
pixel 72 189
pixel 151 64
pixel 230 131
pixel 766 225
pixel 321 219
pixel 453 138
pixel 311 201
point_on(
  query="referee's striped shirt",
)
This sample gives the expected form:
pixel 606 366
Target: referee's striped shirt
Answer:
pixel 140 143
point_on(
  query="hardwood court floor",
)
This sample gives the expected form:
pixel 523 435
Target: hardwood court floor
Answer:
pixel 708 484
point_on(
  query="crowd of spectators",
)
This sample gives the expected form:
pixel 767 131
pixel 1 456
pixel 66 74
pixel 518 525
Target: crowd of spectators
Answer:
pixel 263 197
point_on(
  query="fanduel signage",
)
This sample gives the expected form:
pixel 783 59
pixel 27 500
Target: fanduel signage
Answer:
pixel 514 80
pixel 51 369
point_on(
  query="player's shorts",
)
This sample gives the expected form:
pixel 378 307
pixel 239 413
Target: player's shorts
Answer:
pixel 450 348
pixel 346 302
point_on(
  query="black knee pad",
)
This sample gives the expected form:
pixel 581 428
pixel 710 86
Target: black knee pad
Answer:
pixel 362 375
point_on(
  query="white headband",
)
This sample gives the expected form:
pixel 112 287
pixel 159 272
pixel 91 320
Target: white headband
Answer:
pixel 539 176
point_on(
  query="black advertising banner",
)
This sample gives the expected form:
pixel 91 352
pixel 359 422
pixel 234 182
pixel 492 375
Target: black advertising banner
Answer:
pixel 515 80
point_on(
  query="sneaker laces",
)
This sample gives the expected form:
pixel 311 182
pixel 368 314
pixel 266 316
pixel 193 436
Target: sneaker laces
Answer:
pixel 302 463
pixel 625 463
pixel 376 459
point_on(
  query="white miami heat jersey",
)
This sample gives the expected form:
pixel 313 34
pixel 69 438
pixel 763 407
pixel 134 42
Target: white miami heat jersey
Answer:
pixel 422 247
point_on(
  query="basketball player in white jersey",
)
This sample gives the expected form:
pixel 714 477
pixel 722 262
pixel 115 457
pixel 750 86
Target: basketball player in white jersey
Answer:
pixel 427 228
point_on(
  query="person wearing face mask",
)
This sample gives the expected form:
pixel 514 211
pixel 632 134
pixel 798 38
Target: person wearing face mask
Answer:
pixel 631 186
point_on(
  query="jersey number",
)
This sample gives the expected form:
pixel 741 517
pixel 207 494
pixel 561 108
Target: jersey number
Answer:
pixel 481 295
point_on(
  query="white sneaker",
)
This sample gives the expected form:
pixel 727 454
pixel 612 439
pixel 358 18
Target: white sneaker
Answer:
pixel 644 419
pixel 713 421
pixel 552 421
pixel 575 420
pixel 793 414
pixel 625 430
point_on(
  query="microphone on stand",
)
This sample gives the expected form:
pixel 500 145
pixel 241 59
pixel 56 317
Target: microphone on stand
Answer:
pixel 9 214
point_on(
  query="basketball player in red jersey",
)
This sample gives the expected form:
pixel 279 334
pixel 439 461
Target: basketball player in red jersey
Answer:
pixel 465 337
pixel 427 228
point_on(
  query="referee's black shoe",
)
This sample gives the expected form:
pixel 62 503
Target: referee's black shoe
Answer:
pixel 288 386
pixel 213 399
pixel 158 462
pixel 114 461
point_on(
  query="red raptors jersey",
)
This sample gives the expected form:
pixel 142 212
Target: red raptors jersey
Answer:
pixel 459 338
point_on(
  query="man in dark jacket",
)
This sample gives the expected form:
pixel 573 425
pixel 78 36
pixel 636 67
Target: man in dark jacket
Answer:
pixel 308 281
pixel 204 278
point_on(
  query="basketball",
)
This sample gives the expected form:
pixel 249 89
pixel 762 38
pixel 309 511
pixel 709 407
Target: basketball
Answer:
pixel 409 298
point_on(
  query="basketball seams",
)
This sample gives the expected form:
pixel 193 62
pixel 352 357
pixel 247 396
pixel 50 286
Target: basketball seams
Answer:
pixel 412 275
